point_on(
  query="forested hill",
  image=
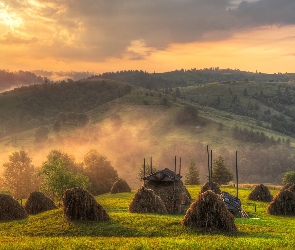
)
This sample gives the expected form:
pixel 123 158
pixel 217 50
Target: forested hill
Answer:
pixel 10 80
pixel 37 105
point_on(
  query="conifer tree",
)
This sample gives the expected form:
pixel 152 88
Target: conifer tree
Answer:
pixel 192 176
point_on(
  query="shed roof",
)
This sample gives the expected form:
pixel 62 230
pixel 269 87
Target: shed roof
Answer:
pixel 163 175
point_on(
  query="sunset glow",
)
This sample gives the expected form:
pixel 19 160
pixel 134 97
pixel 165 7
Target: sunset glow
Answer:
pixel 100 36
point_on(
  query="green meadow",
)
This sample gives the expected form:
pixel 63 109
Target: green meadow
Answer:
pixel 49 230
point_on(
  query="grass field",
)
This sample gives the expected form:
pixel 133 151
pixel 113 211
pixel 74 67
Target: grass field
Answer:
pixel 49 230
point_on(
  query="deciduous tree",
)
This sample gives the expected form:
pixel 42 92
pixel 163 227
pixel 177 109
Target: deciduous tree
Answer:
pixel 19 175
pixel 100 172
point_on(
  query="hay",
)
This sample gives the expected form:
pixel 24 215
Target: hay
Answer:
pixel 215 188
pixel 282 204
pixel 209 213
pixel 78 204
pixel 146 201
pixel 120 186
pixel 165 191
pixel 260 193
pixel 38 203
pixel 10 209
pixel 292 188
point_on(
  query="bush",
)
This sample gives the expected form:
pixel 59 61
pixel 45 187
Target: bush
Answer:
pixel 289 177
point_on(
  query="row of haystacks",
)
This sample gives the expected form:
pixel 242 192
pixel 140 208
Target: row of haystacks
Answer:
pixel 282 204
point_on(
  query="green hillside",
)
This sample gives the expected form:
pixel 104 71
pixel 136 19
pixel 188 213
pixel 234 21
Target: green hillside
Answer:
pixel 49 230
pixel 128 123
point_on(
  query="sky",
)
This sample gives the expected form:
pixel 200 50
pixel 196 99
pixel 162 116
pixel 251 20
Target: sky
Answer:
pixel 151 35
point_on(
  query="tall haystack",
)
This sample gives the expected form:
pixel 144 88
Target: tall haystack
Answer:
pixel 78 204
pixel 174 195
pixel 120 186
pixel 146 201
pixel 214 187
pixel 260 193
pixel 282 204
pixel 10 209
pixel 38 203
pixel 292 188
pixel 209 213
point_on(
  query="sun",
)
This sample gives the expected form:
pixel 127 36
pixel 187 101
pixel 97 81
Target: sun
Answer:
pixel 9 19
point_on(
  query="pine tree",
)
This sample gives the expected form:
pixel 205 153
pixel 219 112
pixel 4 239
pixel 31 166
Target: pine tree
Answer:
pixel 192 176
pixel 221 174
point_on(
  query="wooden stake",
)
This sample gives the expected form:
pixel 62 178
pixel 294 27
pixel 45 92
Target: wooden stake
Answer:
pixel 144 172
pixel 237 176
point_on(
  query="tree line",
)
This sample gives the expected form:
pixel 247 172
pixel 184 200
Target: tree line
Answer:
pixel 58 172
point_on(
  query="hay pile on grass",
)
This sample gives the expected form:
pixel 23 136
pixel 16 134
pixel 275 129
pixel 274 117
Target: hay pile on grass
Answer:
pixel 209 213
pixel 292 188
pixel 260 193
pixel 120 186
pixel 78 204
pixel 282 204
pixel 166 190
pixel 10 209
pixel 215 188
pixel 38 203
pixel 146 201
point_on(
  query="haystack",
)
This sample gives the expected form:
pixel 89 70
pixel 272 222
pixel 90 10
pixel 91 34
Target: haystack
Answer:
pixel 120 186
pixel 214 187
pixel 10 209
pixel 146 201
pixel 175 197
pixel 292 188
pixel 260 193
pixel 209 213
pixel 282 204
pixel 38 203
pixel 78 204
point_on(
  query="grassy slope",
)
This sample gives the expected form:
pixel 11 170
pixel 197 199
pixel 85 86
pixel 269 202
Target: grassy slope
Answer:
pixel 48 230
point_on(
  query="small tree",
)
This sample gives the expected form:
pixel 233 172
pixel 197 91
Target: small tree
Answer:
pixel 289 177
pixel 19 175
pixel 221 174
pixel 100 172
pixel 192 176
pixel 57 179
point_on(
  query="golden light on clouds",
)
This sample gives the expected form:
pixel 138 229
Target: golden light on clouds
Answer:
pixel 105 35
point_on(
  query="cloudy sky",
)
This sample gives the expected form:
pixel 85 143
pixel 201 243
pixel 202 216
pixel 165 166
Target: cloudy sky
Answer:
pixel 152 35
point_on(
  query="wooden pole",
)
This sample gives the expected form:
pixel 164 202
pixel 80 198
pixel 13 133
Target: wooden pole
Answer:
pixel 209 174
pixel 174 184
pixel 237 176
pixel 151 165
pixel 144 172
pixel 211 171
pixel 179 165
